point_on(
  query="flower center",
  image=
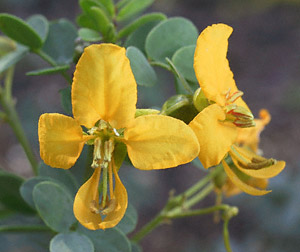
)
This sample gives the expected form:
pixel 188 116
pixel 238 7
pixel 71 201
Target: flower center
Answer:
pixel 104 145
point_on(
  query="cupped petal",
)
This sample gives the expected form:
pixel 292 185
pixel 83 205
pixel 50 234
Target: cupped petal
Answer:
pixel 104 87
pixel 86 199
pixel 120 194
pixel 211 65
pixel 158 142
pixel 215 137
pixel 61 140
pixel 242 185
pixel 263 173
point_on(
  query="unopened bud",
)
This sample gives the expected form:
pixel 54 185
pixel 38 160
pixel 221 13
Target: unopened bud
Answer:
pixel 199 100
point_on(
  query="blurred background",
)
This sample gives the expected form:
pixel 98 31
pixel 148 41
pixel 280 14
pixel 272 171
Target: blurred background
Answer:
pixel 264 55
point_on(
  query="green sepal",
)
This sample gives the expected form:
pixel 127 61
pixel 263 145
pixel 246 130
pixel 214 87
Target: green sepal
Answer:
pixel 142 112
pixel 180 107
pixel 199 100
pixel 20 31
pixel 120 153
pixel 127 30
pixel 131 8
pixel 49 70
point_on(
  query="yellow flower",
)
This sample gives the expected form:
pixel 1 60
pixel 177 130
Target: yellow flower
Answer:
pixel 216 125
pixel 228 120
pixel 104 96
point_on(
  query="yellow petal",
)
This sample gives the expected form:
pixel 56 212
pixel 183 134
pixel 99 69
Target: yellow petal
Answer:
pixel 211 65
pixel 267 172
pixel 61 140
pixel 86 198
pixel 214 136
pixel 120 193
pixel 104 87
pixel 242 185
pixel 158 142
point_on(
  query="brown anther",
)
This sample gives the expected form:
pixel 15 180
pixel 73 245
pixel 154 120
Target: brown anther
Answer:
pixel 94 207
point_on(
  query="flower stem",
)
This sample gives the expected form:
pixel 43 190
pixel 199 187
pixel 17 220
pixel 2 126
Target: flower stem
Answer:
pixel 226 236
pixel 37 228
pixel 13 120
pixel 148 228
pixel 197 212
pixel 48 59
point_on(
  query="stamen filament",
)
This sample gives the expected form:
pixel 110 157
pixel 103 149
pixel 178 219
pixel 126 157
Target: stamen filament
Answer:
pixel 110 175
pixel 104 184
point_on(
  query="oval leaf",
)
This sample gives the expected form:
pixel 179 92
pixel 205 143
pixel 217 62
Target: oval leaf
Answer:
pixel 20 31
pixel 26 189
pixel 183 59
pixel 169 36
pixel 65 177
pixel 9 192
pixel 138 37
pixel 110 240
pixel 71 242
pixel 40 24
pixel 129 221
pixel 89 35
pixel 142 71
pixel 133 7
pixel 55 205
pixel 60 43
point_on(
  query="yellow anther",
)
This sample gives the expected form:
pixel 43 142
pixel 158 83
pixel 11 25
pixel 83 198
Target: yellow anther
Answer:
pixel 94 207
pixel 108 149
pixel 111 206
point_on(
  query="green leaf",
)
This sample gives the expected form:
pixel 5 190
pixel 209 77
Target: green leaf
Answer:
pixel 142 71
pixel 26 189
pixel 60 43
pixel 89 35
pixel 183 59
pixel 129 221
pixel 131 8
pixel 65 177
pixel 9 193
pixel 101 20
pixel 110 240
pixel 138 37
pixel 40 24
pixel 50 70
pixel 168 37
pixel 55 205
pixel 20 31
pixel 65 97
pixel 84 20
pixel 71 242
pixel 13 57
pixel 139 22
pixel 109 5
